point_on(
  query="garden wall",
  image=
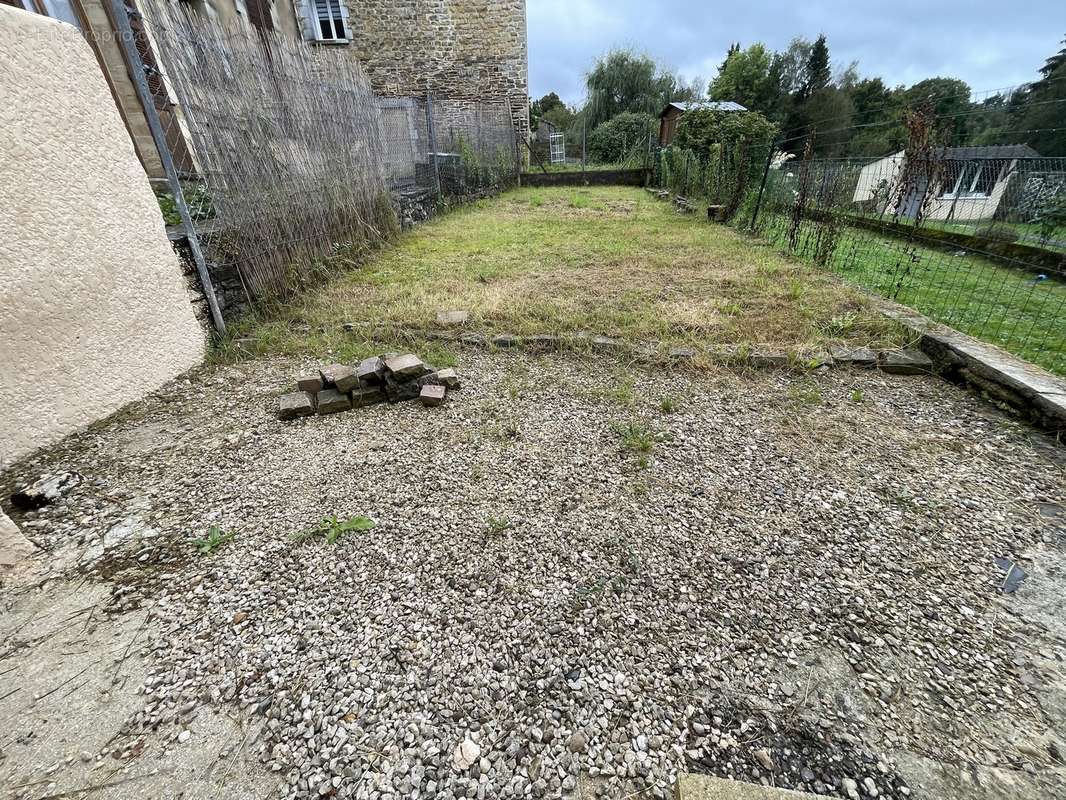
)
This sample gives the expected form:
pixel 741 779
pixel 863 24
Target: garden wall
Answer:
pixel 93 310
pixel 592 177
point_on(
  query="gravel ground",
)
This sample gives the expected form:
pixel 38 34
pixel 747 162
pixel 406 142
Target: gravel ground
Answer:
pixel 569 590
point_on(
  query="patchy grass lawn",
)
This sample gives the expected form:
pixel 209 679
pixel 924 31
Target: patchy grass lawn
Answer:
pixel 611 260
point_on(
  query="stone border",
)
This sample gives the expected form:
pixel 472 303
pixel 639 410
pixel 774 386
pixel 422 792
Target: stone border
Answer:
pixel 691 786
pixel 590 177
pixel 1035 393
pixel 897 362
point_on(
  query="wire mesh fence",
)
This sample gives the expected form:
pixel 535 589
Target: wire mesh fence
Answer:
pixel 972 236
pixel 288 160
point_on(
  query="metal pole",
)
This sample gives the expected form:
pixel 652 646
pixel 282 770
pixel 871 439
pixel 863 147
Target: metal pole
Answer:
pixel 582 147
pixel 433 143
pixel 762 186
pixel 144 94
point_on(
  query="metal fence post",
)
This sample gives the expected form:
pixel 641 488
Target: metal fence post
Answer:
pixel 433 144
pixel 582 146
pixel 762 186
pixel 144 94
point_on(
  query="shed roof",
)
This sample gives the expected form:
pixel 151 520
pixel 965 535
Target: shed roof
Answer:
pixel 710 105
pixel 990 151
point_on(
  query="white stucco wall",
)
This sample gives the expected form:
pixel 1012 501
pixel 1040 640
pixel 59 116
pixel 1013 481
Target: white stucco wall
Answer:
pixel 93 310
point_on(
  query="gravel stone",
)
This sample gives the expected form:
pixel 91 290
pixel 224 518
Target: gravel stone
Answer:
pixel 778 593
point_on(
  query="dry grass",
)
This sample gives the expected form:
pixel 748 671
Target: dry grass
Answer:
pixel 610 260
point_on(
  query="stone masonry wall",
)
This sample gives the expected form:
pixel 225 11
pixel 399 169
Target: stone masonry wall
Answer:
pixel 461 49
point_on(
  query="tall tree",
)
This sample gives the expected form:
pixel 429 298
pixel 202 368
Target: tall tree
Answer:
pixel 818 71
pixel 626 81
pixel 1037 116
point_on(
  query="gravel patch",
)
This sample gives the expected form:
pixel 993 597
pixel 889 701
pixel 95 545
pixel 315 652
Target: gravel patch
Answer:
pixel 788 579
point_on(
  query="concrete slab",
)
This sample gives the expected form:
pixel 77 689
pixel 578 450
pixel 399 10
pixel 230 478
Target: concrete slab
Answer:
pixel 704 787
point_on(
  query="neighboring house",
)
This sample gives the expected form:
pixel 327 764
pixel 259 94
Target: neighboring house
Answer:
pixel 673 111
pixel 971 182
pixel 462 50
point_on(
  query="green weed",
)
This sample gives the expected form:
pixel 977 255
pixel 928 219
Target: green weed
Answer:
pixel 332 528
pixel 215 538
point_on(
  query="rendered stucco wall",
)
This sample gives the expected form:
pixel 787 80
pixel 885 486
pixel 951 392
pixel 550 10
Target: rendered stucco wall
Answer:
pixel 93 311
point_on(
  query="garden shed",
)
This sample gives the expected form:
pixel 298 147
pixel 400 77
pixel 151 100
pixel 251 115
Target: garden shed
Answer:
pixel 673 111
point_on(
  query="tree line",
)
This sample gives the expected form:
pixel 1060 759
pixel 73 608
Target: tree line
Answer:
pixel 798 91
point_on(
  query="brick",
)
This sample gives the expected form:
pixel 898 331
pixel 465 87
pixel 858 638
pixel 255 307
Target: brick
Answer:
pixel 370 371
pixel 367 396
pixel 310 383
pixel 905 362
pixel 432 394
pixel 330 401
pixel 404 366
pixel 339 376
pixel 855 356
pixel 769 358
pixel 297 404
pixel 442 377
pixel 397 391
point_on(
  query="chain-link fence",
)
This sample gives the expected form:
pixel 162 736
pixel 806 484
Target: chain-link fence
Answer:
pixel 283 160
pixel 971 236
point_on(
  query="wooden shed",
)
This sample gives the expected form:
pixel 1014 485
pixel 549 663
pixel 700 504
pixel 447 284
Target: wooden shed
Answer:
pixel 668 119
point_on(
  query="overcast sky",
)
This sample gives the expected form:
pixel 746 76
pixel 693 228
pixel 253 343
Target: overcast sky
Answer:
pixel 988 45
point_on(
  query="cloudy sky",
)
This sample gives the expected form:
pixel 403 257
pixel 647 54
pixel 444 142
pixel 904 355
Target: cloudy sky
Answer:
pixel 989 45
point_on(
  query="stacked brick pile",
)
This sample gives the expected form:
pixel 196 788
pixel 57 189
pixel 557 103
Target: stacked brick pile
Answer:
pixel 392 377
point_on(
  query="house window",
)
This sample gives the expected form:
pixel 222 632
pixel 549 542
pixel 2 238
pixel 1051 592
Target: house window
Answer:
pixel 971 178
pixel 331 22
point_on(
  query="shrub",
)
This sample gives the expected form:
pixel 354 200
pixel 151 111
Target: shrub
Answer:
pixel 699 129
pixel 614 140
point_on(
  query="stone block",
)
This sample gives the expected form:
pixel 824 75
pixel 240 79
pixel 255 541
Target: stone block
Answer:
pixel 405 366
pixel 442 377
pixel 330 401
pixel 367 396
pixel 339 377
pixel 432 394
pixel 905 362
pixel 449 318
pixel 397 391
pixel 310 383
pixel 854 356
pixel 505 340
pixel 607 343
pixel 297 404
pixel 474 339
pixel 682 353
pixel 370 371
pixel 769 358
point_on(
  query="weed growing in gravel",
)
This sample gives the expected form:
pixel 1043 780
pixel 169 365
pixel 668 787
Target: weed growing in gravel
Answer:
pixel 536 201
pixel 619 391
pixel 807 393
pixel 668 405
pixel 579 200
pixel 497 525
pixel 857 396
pixel 216 537
pixel 634 437
pixel 332 528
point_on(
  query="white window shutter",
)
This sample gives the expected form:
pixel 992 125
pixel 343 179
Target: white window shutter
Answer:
pixel 309 21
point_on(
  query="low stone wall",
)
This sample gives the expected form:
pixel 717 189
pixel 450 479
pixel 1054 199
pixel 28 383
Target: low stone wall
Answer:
pixel 1033 392
pixel 594 177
